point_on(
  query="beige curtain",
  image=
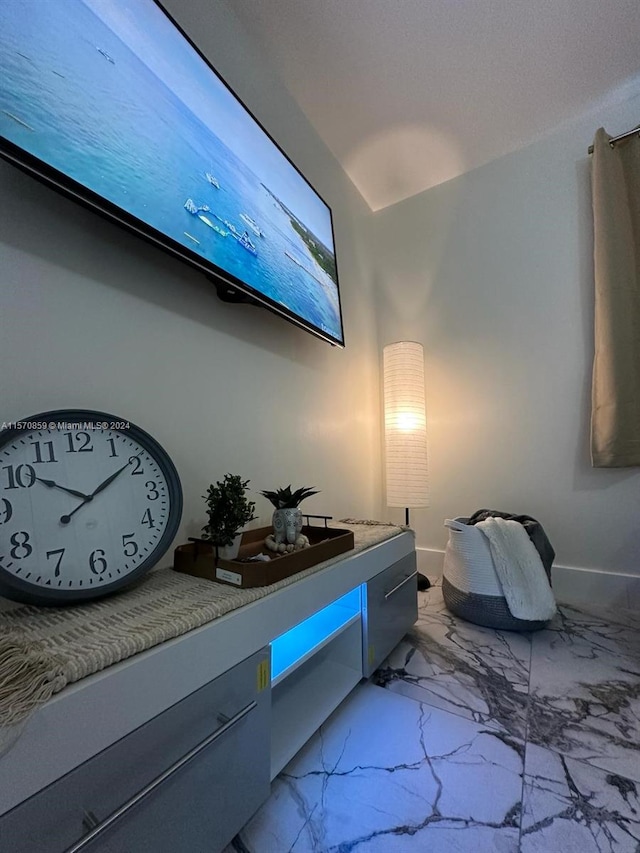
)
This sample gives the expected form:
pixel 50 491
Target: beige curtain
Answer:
pixel 615 399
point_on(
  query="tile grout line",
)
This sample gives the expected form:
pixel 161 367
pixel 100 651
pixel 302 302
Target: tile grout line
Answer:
pixel 526 740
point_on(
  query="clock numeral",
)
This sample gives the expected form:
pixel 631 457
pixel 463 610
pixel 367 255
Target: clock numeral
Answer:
pixel 137 466
pixel 49 451
pixel 97 562
pixel 112 442
pixel 21 548
pixel 6 512
pixel 22 477
pixel 83 439
pixel 147 518
pixel 60 552
pixel 153 493
pixel 129 547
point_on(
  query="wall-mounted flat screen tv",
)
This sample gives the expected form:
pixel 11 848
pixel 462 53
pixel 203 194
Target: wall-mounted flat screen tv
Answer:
pixel 111 103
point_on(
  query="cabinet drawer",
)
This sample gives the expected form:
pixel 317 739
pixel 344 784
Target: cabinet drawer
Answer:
pixel 391 608
pixel 187 780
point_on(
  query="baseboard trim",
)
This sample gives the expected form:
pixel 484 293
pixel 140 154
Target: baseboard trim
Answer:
pixel 597 588
pixel 430 562
pixel 571 585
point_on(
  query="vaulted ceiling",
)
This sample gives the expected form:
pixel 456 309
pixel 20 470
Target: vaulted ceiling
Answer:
pixel 410 93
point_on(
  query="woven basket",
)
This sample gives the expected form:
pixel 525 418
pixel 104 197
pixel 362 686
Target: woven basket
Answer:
pixel 470 586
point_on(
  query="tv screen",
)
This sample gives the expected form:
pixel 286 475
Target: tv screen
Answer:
pixel 111 103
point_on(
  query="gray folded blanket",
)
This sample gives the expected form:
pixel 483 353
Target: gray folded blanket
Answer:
pixel 534 530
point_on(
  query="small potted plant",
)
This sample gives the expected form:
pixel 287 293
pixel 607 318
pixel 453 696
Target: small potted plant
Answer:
pixel 228 510
pixel 287 516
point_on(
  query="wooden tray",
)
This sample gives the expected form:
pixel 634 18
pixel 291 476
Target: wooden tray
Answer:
pixel 198 558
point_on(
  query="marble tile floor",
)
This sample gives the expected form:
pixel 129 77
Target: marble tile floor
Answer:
pixel 470 739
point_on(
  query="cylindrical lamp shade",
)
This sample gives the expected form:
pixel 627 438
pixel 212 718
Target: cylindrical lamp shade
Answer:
pixel 405 423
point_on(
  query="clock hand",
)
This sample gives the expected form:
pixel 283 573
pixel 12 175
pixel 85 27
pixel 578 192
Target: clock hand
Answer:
pixel 65 519
pixel 52 485
pixel 109 479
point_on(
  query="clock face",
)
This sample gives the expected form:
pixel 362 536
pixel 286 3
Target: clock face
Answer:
pixel 88 503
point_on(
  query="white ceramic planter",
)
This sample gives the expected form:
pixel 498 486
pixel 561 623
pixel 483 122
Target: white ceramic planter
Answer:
pixel 229 552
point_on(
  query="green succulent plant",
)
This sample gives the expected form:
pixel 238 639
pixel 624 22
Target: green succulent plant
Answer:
pixel 286 499
pixel 228 509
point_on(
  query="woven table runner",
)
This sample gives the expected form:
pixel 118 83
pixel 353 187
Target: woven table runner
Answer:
pixel 42 649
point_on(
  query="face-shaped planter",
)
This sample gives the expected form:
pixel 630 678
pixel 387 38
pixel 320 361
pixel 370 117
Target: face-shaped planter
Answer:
pixel 287 525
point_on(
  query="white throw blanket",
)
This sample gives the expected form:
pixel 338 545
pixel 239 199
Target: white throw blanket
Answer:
pixel 519 568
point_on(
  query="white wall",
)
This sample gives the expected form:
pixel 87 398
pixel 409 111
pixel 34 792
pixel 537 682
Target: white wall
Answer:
pixel 492 272
pixel 92 317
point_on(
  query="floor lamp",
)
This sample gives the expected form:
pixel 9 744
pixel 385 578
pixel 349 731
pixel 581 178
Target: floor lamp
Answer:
pixel 405 428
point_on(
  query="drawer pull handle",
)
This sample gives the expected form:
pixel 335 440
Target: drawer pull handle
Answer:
pixel 155 783
pixel 400 585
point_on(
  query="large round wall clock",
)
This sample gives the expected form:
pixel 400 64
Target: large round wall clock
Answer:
pixel 88 503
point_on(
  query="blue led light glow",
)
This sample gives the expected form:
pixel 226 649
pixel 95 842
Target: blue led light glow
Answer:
pixel 291 648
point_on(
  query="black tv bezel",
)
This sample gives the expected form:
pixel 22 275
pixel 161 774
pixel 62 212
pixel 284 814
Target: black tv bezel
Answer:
pixel 229 288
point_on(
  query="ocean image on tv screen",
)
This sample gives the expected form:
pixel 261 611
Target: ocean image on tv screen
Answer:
pixel 109 93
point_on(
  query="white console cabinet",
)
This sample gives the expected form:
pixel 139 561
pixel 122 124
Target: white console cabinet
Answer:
pixel 390 607
pixel 197 771
pixel 174 748
pixel 314 666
